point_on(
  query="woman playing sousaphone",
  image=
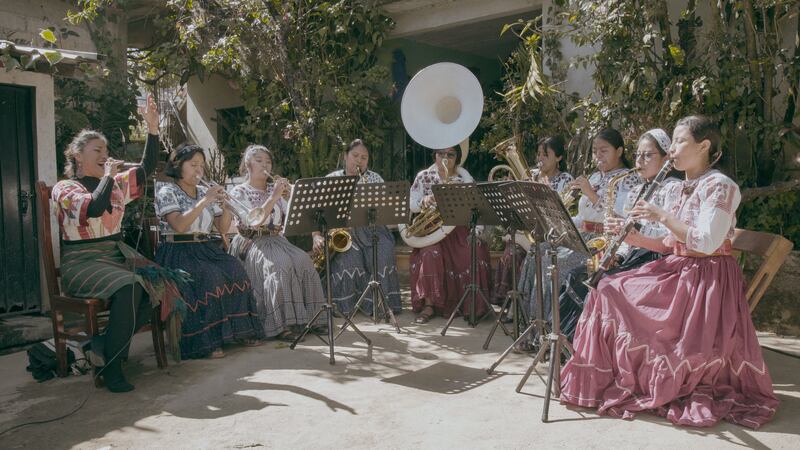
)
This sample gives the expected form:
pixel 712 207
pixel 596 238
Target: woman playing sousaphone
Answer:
pixel 440 272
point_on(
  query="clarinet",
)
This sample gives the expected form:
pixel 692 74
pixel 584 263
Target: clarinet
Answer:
pixel 616 241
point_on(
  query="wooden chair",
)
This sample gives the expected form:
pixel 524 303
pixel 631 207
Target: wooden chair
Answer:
pixel 772 248
pixel 91 309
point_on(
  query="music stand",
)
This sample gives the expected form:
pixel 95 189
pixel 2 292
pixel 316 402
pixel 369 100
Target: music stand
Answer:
pixel 515 215
pixel 378 204
pixel 464 204
pixel 552 216
pixel 318 204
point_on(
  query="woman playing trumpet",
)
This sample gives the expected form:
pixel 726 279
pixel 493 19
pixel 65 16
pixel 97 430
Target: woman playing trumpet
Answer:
pixel 220 307
pixel 286 285
pixel 95 263
pixel 351 270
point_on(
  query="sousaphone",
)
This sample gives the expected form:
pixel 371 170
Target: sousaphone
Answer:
pixel 441 107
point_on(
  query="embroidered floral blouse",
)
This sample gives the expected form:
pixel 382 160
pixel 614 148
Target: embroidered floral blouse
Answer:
pixel 560 181
pixel 72 199
pixel 427 178
pixel 649 228
pixel 253 197
pixel 595 212
pixel 171 198
pixel 708 205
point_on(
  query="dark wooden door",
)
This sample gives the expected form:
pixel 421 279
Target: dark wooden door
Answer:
pixel 19 257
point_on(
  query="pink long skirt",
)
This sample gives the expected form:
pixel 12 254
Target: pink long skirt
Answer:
pixel 441 273
pixel 673 337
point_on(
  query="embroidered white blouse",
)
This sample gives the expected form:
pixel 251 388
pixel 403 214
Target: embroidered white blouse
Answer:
pixel 171 198
pixel 427 178
pixel 595 212
pixel 560 181
pixel 708 205
pixel 254 198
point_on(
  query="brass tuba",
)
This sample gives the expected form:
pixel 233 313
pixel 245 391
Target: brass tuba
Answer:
pixel 441 107
pixel 517 165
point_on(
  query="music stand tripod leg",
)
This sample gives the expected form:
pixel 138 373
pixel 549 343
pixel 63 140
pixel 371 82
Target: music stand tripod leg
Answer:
pixel 512 296
pixel 328 307
pixel 537 322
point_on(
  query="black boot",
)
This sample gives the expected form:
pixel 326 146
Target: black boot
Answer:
pixel 113 378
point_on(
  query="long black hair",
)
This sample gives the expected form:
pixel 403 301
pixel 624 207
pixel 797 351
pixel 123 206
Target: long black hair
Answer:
pixel 614 137
pixel 556 144
pixel 183 153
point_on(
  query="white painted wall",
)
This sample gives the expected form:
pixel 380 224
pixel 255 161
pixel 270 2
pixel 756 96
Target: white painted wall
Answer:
pixel 419 16
pixel 45 146
pixel 203 99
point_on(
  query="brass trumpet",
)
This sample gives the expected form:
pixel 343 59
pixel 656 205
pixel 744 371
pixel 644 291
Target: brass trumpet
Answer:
pixel 251 217
pixel 271 179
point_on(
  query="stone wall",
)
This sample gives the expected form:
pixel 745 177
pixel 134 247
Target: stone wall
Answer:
pixel 779 309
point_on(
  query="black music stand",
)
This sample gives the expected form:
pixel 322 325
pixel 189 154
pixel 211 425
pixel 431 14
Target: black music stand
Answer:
pixel 319 204
pixel 378 204
pixel 553 217
pixel 464 204
pixel 515 215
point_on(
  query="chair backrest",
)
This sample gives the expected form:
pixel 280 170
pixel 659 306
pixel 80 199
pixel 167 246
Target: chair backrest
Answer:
pixel 43 195
pixel 772 248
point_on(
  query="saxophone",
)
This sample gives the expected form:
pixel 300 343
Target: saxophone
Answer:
pixel 599 244
pixel 613 245
pixel 340 238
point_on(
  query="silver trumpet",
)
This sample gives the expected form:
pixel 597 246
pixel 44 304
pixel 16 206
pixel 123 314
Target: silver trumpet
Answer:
pixel 251 217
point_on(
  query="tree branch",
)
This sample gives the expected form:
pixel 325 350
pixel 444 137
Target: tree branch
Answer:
pixel 777 188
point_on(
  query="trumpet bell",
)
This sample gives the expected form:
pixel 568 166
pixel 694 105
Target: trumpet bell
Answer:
pixel 442 106
pixel 256 217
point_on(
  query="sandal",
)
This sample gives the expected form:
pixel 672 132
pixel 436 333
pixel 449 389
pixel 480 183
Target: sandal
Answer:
pixel 286 336
pixel 217 354
pixel 424 317
pixel 250 342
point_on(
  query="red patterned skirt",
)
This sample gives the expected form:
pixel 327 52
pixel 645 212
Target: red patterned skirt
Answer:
pixel 441 273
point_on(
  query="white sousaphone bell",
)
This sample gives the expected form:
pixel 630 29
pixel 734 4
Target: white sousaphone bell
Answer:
pixel 441 107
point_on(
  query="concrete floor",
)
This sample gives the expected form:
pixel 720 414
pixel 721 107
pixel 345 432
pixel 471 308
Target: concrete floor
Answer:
pixel 413 390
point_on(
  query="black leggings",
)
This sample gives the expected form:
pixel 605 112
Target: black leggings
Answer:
pixel 124 304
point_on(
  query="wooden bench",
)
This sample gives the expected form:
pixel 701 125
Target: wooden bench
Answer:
pixel 91 309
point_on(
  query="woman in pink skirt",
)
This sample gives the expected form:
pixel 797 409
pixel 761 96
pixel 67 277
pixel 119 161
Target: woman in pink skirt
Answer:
pixel 674 337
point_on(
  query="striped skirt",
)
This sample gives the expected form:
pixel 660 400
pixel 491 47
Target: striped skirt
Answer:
pixel 286 285
pixel 101 268
pixel 220 307
pixel 351 271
